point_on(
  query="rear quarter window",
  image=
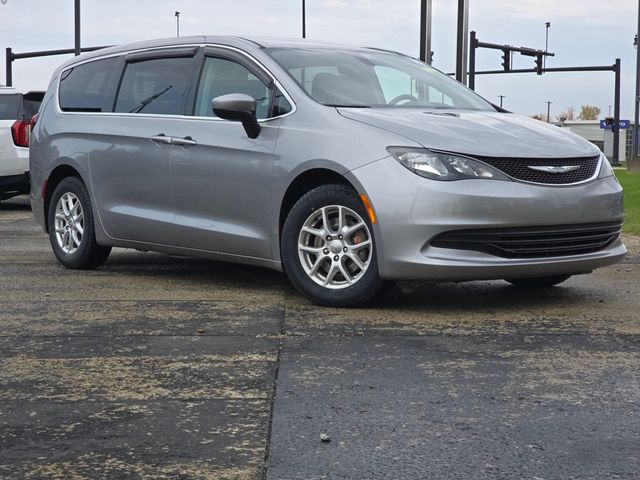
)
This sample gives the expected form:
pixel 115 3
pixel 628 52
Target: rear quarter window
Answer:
pixel 9 107
pixel 89 87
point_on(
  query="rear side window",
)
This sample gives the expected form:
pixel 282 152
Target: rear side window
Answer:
pixel 89 87
pixel 9 107
pixel 156 86
pixel 31 104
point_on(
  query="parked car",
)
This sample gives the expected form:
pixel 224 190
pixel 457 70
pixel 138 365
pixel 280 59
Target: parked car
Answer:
pixel 348 168
pixel 16 110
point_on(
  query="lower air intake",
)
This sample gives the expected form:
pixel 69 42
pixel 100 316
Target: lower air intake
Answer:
pixel 533 242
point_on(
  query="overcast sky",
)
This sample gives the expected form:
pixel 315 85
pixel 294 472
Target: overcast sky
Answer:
pixel 583 32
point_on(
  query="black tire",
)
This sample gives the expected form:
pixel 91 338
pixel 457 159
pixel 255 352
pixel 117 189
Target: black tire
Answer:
pixel 538 282
pixel 368 285
pixel 88 254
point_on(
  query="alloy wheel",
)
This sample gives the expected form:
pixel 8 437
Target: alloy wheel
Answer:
pixel 335 247
pixel 69 223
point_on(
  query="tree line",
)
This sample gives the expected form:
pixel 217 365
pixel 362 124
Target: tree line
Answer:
pixel 587 112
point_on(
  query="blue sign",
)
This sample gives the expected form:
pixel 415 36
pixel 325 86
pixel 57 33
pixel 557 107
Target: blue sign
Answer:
pixel 622 124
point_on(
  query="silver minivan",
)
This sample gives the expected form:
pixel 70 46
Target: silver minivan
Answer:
pixel 348 168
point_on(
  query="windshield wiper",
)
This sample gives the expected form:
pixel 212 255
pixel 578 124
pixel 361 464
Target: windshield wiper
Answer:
pixel 138 108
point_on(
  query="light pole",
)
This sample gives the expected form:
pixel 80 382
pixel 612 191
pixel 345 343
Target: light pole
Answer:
pixel 634 155
pixel 304 19
pixel 77 28
pixel 546 43
pixel 462 44
pixel 426 8
pixel 548 111
pixel 177 24
pixel 501 97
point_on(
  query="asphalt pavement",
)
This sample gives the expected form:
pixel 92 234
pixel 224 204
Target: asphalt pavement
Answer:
pixel 157 366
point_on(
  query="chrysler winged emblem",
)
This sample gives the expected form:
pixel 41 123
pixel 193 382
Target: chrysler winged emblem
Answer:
pixel 552 169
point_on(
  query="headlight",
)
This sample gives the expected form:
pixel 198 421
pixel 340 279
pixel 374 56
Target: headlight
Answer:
pixel 443 166
pixel 606 170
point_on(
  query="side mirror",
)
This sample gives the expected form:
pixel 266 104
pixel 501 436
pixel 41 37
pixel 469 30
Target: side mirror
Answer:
pixel 238 107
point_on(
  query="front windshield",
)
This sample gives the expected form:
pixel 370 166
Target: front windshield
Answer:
pixel 373 78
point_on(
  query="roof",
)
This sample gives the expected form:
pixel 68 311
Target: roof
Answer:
pixel 278 42
pixel 231 40
pixel 8 91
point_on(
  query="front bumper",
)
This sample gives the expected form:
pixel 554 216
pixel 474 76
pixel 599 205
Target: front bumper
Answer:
pixel 411 211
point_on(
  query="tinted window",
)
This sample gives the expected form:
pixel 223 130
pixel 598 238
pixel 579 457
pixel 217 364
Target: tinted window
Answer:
pixel 158 86
pixel 221 77
pixel 31 103
pixel 280 105
pixel 9 105
pixel 89 87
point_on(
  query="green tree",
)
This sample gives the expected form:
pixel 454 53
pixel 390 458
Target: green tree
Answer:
pixel 589 112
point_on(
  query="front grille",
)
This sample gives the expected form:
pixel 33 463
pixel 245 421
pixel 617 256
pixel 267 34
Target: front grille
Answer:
pixel 518 168
pixel 533 242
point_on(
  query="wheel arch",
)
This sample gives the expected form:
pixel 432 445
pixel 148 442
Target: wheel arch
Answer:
pixel 305 182
pixel 57 175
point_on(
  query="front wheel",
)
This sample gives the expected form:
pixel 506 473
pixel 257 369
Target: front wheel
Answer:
pixel 538 282
pixel 71 229
pixel 328 248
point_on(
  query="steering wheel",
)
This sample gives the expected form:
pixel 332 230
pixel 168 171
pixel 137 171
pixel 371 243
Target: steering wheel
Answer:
pixel 404 96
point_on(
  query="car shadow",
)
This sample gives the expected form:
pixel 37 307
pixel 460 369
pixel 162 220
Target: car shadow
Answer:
pixel 406 295
pixel 20 203
pixel 488 296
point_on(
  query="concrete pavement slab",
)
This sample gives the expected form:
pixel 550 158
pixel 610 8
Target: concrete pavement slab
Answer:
pixel 210 439
pixel 607 301
pixel 482 407
pixel 138 318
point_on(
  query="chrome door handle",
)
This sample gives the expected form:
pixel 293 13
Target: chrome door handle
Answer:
pixel 161 138
pixel 184 142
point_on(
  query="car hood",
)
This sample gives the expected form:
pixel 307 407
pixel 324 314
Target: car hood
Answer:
pixel 490 134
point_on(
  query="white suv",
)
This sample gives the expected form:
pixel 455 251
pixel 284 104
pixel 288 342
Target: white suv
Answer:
pixel 16 110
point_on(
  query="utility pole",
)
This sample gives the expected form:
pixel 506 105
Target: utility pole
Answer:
pixel 501 97
pixel 426 55
pixel 548 111
pixel 77 27
pixel 304 19
pixel 177 24
pixel 462 50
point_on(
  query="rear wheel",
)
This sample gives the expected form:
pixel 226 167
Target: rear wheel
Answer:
pixel 538 282
pixel 71 228
pixel 328 248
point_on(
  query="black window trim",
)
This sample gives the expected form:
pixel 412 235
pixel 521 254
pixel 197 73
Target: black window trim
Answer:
pixel 113 75
pixel 159 54
pixel 253 66
pixel 202 47
pixel 171 52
